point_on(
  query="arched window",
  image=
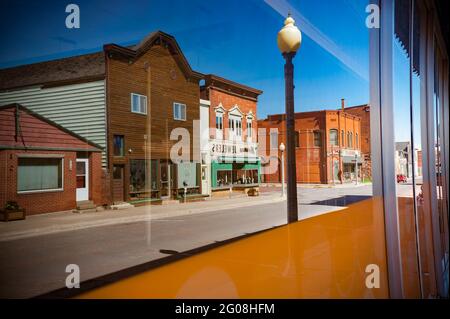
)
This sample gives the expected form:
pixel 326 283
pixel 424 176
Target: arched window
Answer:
pixel 343 138
pixel 356 141
pixel 334 140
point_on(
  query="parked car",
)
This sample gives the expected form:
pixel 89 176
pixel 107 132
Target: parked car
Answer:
pixel 401 178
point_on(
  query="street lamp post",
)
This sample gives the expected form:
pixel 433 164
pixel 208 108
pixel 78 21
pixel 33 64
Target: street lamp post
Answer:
pixel 289 40
pixel 282 148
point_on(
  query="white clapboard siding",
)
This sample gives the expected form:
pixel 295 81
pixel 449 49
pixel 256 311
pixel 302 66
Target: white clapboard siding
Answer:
pixel 80 108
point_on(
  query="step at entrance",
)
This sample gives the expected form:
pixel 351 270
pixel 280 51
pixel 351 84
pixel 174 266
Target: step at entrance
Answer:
pixel 85 206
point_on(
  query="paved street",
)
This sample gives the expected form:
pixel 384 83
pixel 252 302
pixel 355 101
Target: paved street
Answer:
pixel 35 265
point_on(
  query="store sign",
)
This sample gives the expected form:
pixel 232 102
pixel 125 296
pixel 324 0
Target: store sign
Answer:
pixel 350 153
pixel 233 149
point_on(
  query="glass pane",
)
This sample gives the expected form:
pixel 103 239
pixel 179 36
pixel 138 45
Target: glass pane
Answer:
pixel 135 103
pixel 176 111
pixel 39 174
pixel 143 104
pixel 183 112
pixel 81 181
pixel 81 168
pixel 118 145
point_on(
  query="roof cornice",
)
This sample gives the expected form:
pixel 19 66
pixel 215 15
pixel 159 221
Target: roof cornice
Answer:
pixel 155 38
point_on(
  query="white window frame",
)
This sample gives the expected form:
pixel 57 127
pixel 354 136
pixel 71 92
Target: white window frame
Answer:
pixel 140 105
pixel 234 126
pixel 249 128
pixel 182 115
pixel 219 124
pixel 219 111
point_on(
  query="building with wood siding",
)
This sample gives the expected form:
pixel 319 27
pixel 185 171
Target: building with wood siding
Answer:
pixel 45 167
pixel 138 103
pixel 128 100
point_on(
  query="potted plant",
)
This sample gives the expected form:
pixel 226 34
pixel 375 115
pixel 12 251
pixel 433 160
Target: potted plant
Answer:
pixel 12 211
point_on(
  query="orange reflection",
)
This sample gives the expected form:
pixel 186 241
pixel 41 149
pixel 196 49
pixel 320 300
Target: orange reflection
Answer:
pixel 321 257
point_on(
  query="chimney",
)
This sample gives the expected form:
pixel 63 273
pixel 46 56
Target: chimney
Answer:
pixel 342 104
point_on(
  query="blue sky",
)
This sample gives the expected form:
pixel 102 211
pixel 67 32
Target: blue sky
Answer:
pixel 235 39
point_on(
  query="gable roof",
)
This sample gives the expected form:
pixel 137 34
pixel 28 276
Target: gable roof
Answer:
pixel 57 126
pixel 155 38
pixel 89 67
pixel 77 68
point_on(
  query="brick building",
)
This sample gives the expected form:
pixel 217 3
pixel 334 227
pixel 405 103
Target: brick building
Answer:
pixel 363 112
pixel 328 146
pixel 228 124
pixel 126 99
pixel 44 167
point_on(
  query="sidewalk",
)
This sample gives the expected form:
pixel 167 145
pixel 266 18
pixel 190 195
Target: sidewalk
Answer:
pixel 57 222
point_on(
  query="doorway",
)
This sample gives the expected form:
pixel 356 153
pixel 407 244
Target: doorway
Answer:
pixel 82 176
pixel 336 171
pixel 205 180
pixel 165 179
pixel 118 179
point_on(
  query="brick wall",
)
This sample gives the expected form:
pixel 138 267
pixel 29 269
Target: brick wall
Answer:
pixel 40 202
pixel 313 163
pixel 228 101
pixel 99 181
pixel 52 201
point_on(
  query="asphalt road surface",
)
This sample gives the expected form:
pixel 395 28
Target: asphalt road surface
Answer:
pixel 33 266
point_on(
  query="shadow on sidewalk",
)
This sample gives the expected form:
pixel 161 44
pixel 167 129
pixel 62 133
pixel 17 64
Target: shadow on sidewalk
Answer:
pixel 342 201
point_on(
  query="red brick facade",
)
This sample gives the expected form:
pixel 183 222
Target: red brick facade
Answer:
pixel 363 112
pixel 228 102
pixel 314 152
pixel 227 94
pixel 37 137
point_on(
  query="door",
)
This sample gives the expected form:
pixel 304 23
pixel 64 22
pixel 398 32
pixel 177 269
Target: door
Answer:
pixel 336 170
pixel 165 179
pixel 82 174
pixel 118 178
pixel 205 180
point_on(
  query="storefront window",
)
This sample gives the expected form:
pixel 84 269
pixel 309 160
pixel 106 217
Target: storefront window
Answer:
pixel 224 178
pixel 143 176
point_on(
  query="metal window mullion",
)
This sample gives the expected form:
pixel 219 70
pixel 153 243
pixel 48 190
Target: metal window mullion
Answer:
pixel 382 142
pixel 428 156
pixel 413 143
